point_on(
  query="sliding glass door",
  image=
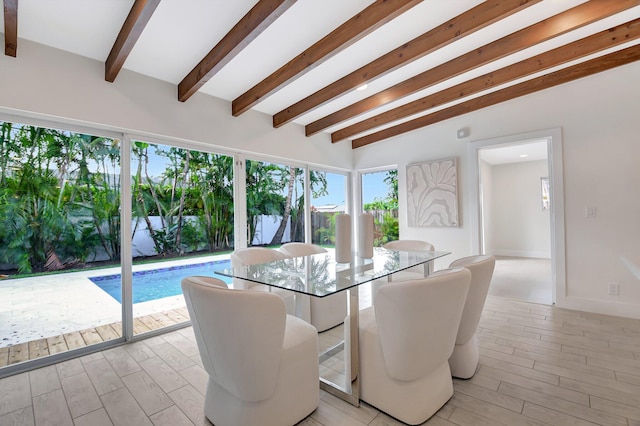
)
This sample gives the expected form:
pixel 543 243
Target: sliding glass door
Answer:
pixel 182 224
pixel 59 227
pixel 97 230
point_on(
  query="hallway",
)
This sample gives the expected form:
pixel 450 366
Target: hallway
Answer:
pixel 527 279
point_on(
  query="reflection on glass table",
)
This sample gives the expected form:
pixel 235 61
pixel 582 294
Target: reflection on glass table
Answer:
pixel 319 275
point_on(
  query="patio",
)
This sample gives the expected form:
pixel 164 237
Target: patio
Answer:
pixel 49 314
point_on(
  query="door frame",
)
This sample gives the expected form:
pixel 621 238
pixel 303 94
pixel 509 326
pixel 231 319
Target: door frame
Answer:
pixel 556 187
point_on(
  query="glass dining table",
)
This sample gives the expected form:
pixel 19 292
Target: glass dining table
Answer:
pixel 319 275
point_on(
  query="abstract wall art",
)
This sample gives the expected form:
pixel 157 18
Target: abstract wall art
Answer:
pixel 432 193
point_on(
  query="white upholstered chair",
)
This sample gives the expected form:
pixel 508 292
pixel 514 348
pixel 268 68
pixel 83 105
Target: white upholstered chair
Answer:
pixel 414 273
pixel 410 245
pixel 406 339
pixel 464 360
pixel 301 249
pixel 326 312
pixel 262 363
pixel 253 256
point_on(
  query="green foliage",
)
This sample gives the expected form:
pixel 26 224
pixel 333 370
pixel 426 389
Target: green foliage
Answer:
pixel 195 184
pixel 326 236
pixel 60 197
pixel 392 184
pixel 388 229
pixel 45 183
pixel 378 204
pixel 193 236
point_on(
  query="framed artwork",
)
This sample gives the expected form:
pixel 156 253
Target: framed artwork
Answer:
pixel 432 193
pixel 544 193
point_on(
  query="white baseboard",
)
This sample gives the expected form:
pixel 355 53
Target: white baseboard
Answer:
pixel 521 253
pixel 606 307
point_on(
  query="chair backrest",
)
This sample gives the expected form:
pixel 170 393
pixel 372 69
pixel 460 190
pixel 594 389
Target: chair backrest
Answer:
pixel 252 256
pixel 481 268
pixel 418 321
pixel 239 335
pixel 409 245
pixel 301 249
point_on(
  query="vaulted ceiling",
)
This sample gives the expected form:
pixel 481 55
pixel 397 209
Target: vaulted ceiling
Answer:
pixel 423 61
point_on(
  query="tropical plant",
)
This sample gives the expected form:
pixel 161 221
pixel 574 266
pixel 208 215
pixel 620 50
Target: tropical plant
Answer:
pixel 37 204
pixel 326 236
pixel 192 183
pixel 388 229
pixel 212 182
pixel 264 192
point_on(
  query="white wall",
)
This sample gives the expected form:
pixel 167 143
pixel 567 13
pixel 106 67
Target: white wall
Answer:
pixel 598 116
pixel 486 198
pixel 518 226
pixel 51 83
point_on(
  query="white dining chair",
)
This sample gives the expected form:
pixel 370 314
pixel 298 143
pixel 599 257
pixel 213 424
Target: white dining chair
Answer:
pixel 410 245
pixel 406 340
pixel 408 274
pixel 255 255
pixel 466 354
pixel 262 363
pixel 326 312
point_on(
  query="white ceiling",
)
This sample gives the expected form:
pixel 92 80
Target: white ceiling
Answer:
pixel 181 32
pixel 518 153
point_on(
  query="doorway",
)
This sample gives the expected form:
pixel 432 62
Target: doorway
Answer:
pixel 515 219
pixel 517 186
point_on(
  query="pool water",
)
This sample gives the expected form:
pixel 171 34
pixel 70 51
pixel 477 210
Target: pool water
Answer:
pixel 158 283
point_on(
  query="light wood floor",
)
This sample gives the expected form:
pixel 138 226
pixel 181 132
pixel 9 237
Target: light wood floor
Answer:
pixel 540 365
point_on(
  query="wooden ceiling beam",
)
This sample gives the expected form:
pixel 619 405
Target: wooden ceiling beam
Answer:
pixel 258 19
pixel 584 69
pixel 354 29
pixel 474 19
pixel 561 55
pixel 133 26
pixel 554 26
pixel 10 27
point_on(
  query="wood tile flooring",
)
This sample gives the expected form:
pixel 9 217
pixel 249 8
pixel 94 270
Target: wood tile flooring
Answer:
pixel 540 365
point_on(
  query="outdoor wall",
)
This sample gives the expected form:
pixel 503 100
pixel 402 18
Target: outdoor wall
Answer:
pixel 50 83
pixel 518 226
pixel 142 243
pixel 598 116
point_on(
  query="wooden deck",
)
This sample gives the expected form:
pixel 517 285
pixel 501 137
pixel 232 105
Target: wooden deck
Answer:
pixel 78 339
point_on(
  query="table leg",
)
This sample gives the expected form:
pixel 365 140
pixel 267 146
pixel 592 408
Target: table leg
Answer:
pixel 302 306
pixel 351 392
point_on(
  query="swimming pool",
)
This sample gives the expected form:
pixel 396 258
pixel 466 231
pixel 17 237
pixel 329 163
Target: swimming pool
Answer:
pixel 158 283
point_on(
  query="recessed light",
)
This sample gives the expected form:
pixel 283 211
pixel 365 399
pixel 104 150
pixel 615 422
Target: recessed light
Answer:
pixel 362 87
pixel 523 155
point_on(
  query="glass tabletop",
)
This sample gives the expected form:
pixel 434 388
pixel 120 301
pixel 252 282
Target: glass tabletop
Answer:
pixel 320 275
